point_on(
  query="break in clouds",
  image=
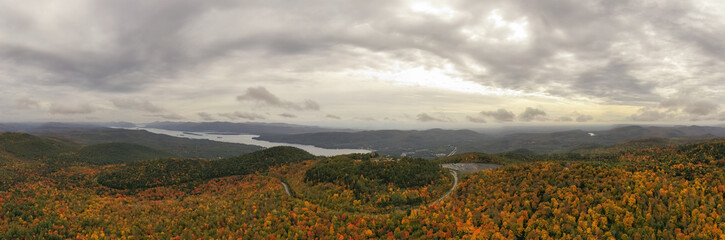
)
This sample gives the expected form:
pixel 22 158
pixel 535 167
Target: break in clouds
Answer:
pixel 616 61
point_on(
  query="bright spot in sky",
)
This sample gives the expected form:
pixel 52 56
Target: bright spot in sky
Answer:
pixel 439 10
pixel 435 78
pixel 515 31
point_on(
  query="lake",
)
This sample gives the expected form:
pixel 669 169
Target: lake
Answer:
pixel 249 139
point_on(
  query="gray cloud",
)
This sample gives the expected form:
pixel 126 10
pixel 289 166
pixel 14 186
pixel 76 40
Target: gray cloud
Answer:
pixel 571 49
pixel 564 119
pixel 501 115
pixel 366 119
pixel 333 116
pixel 475 119
pixel 287 115
pixel 79 109
pixel 424 117
pixel 242 115
pixel 614 82
pixel 584 118
pixel 261 95
pixel 531 114
pixel 649 115
pixel 27 103
pixel 169 116
pixel 206 116
pixel 133 104
pixel 701 108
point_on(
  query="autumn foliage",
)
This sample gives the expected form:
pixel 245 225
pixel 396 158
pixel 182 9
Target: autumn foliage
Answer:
pixel 654 193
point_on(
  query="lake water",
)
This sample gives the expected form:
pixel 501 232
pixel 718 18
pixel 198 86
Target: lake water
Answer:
pixel 249 139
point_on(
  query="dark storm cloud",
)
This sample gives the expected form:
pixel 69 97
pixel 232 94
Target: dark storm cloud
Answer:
pixel 501 115
pixel 78 109
pixel 134 104
pixel 242 115
pixel 261 95
pixel 531 114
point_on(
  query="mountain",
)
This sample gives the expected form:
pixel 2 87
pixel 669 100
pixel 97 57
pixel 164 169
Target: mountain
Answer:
pixel 391 142
pixel 181 147
pixel 26 146
pixel 437 142
pixel 115 153
pixel 164 172
pixel 241 128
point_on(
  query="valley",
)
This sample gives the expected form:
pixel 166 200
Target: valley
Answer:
pixel 54 188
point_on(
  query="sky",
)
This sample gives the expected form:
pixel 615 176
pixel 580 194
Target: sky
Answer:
pixel 368 64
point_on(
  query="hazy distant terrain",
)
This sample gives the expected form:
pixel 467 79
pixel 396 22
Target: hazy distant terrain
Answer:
pixel 89 134
pixel 431 142
pixel 241 128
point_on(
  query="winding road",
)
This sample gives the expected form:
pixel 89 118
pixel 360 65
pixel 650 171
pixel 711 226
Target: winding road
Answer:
pixel 455 183
pixel 286 188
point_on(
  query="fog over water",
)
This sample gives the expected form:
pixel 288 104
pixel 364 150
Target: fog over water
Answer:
pixel 249 139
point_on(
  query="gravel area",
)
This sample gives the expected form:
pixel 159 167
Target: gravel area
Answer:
pixel 470 167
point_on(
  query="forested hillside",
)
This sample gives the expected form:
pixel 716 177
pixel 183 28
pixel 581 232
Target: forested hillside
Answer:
pixel 181 147
pixel 662 192
pixel 165 172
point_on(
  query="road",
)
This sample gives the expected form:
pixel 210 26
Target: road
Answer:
pixel 455 183
pixel 455 149
pixel 286 188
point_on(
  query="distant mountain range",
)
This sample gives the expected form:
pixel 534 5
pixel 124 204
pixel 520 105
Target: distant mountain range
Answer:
pixel 91 134
pixel 437 142
pixel 242 128
pixel 431 143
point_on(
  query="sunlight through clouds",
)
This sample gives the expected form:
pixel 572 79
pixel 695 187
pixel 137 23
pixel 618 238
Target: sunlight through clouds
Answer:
pixel 496 29
pixel 443 79
pixel 435 8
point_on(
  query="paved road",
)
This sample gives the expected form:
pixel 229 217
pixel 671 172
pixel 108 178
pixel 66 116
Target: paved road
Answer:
pixel 286 188
pixel 455 183
pixel 451 168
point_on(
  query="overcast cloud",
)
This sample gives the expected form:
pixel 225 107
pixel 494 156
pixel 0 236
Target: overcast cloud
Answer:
pixel 323 60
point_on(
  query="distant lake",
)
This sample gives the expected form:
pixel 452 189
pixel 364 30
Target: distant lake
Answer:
pixel 248 139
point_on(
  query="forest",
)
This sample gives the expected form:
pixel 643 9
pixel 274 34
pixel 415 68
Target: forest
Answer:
pixel 668 191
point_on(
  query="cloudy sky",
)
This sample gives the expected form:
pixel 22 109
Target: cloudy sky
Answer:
pixel 374 63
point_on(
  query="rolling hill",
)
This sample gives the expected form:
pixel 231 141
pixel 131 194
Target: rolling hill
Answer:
pixel 396 142
pixel 165 172
pixel 671 191
pixel 115 153
pixel 181 147
pixel 26 146
pixel 241 128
